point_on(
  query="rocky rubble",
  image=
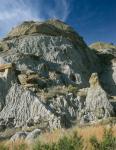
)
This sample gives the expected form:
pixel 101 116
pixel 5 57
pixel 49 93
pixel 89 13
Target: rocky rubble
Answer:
pixel 38 57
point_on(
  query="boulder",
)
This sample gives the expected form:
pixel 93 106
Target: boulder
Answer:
pixel 33 135
pixel 19 136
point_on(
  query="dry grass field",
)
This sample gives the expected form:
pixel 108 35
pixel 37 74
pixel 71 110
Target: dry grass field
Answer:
pixel 49 138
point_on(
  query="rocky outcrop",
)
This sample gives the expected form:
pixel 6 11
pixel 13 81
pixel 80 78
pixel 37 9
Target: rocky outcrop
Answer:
pixel 50 27
pixel 108 77
pixel 107 55
pixel 23 105
pixel 33 135
pixel 64 55
pixel 7 77
pixel 97 102
pixel 67 108
pixel 28 136
pixel 38 57
pixel 104 48
pixel 19 136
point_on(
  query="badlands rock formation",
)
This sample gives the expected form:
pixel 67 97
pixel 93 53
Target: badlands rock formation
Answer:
pixel 45 69
pixel 97 102
pixel 107 55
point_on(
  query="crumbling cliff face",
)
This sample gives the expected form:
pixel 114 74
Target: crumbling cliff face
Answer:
pixel 7 77
pixel 45 69
pixel 107 55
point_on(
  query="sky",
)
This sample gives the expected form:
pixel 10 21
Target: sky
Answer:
pixel 94 20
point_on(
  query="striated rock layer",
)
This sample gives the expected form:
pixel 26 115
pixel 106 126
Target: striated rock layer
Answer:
pixel 23 105
pixel 45 69
pixel 62 51
pixel 97 102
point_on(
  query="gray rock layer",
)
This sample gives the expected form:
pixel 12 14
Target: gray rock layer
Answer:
pixel 23 105
pixel 97 101
pixel 47 55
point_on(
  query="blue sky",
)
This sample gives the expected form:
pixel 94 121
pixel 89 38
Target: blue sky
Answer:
pixel 95 20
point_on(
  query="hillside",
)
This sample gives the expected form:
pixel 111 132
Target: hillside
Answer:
pixel 50 78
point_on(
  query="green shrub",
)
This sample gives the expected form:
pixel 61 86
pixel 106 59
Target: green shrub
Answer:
pixel 95 143
pixel 20 147
pixel 2 147
pixel 72 89
pixel 74 142
pixel 108 142
pixel 40 146
pixel 14 146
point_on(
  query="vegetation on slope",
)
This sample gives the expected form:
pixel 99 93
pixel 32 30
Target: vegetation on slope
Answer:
pixel 90 138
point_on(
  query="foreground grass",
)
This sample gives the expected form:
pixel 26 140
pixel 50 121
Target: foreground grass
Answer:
pixel 73 142
pixel 87 138
pixel 108 142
